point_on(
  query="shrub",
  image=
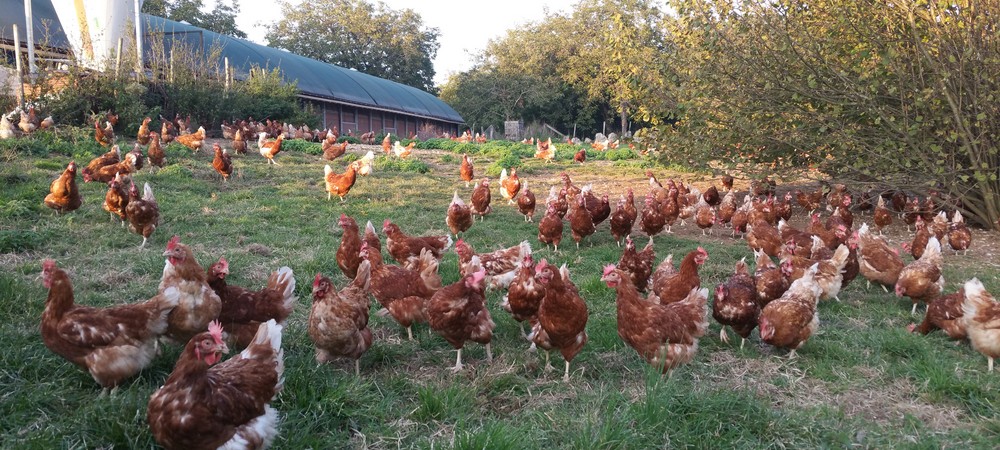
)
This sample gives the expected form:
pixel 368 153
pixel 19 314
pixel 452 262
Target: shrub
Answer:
pixel 299 145
pixel 193 87
pixel 349 139
pixel 174 171
pixel 437 143
pixel 24 146
pixel 499 149
pixel 67 141
pixel 620 154
pixel 506 162
pixel 175 150
pixel 386 164
pixel 465 148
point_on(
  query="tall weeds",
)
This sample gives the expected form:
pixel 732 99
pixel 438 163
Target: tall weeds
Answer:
pixel 181 76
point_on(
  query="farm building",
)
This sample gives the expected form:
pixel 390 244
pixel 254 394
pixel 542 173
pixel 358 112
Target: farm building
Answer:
pixel 345 98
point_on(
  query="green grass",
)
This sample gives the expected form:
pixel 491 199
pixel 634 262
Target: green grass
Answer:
pixel 862 381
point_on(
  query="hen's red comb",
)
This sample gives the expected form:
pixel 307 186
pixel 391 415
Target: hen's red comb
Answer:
pixel 173 242
pixel 215 329
pixel 541 265
pixel 48 264
pixel 609 268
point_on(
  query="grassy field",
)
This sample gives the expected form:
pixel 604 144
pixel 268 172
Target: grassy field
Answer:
pixel 862 381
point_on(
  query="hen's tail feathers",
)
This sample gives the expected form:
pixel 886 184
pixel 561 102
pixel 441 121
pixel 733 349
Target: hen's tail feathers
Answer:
pixel 448 244
pixel 976 298
pixel 699 299
pixel 283 280
pixel 267 341
pixel 933 249
pixel 839 259
pixel 475 264
pixel 427 266
pixel 524 250
pixel 363 278
pixel 166 301
pixel 147 193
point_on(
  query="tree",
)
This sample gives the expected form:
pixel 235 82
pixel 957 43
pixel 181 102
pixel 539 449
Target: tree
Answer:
pixel 621 58
pixel 581 68
pixel 222 19
pixel 488 96
pixel 890 95
pixel 356 34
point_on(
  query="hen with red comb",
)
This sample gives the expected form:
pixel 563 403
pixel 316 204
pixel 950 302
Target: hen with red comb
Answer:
pixel 210 404
pixel 458 313
pixel 112 344
pixel 199 304
pixel 244 310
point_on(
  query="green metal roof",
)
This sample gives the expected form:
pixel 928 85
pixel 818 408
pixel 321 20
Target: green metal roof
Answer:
pixel 314 78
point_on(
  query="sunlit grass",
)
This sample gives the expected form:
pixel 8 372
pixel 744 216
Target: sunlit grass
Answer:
pixel 862 381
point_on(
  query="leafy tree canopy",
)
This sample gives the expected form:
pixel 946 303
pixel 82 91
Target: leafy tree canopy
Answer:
pixel 890 95
pixel 604 59
pixel 221 19
pixel 356 34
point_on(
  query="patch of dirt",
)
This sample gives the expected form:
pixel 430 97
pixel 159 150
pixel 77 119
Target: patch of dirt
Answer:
pixel 114 278
pixel 259 249
pixel 873 398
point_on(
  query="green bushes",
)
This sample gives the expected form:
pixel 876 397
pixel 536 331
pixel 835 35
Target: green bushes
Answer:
pixel 620 154
pixel 385 164
pixel 66 141
pixel 437 143
pixel 206 99
pixel 507 162
pixel 299 145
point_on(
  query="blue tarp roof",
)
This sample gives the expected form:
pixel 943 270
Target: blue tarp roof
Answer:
pixel 314 78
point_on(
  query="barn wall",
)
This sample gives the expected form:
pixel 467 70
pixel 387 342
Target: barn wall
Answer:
pixel 360 120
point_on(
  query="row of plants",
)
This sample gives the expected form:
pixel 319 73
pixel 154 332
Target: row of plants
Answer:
pixel 189 82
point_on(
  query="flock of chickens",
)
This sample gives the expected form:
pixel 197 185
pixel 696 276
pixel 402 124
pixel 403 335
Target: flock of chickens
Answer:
pixel 662 310
pixel 781 299
pixel 141 212
pixel 204 403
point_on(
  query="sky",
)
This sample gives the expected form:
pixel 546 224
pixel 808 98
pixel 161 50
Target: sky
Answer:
pixel 465 26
